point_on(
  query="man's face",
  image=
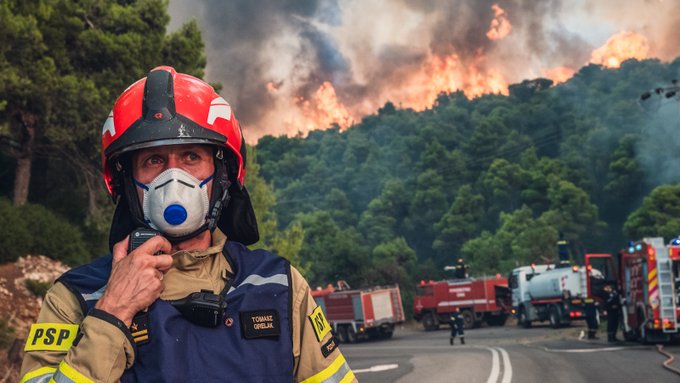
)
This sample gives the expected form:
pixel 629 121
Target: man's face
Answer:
pixel 194 159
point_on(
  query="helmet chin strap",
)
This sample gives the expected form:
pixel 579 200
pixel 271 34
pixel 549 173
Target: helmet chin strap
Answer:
pixel 219 199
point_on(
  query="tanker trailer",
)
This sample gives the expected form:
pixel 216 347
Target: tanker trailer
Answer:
pixel 548 292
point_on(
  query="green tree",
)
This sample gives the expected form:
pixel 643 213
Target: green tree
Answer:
pixel 332 253
pixel 659 215
pixel 62 65
pixel 460 223
pixel 572 213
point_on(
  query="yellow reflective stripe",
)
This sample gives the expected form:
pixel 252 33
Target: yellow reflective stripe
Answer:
pixel 68 374
pixel 42 374
pixel 348 378
pixel 337 372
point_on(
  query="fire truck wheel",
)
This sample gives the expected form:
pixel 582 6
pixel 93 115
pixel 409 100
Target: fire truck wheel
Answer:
pixel 386 334
pixel 342 334
pixel 351 335
pixel 496 320
pixel 429 322
pixel 468 319
pixel 555 315
pixel 523 320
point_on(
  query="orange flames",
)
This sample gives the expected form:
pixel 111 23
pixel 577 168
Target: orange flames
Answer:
pixel 324 109
pixel 419 87
pixel 500 26
pixel 558 75
pixel 449 74
pixel 620 47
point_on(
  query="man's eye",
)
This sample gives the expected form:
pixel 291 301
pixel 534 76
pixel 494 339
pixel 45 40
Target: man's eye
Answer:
pixel 191 156
pixel 154 160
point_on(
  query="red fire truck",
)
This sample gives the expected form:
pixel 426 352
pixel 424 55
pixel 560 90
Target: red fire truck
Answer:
pixel 479 299
pixel 648 277
pixel 362 313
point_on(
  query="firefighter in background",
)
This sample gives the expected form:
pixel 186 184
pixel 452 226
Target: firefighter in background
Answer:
pixel 461 269
pixel 563 251
pixel 612 305
pixel 592 317
pixel 457 325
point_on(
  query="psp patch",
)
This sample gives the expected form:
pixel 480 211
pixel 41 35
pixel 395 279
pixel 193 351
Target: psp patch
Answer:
pixel 320 324
pixel 139 329
pixel 260 324
pixel 51 337
pixel 329 346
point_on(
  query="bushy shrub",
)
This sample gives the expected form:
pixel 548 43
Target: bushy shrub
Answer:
pixel 33 229
pixel 6 334
pixel 15 238
pixel 54 236
pixel 38 288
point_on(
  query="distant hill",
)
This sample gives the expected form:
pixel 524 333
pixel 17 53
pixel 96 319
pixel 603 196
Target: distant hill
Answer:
pixel 446 176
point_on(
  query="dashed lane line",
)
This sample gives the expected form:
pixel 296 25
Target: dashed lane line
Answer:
pixel 378 368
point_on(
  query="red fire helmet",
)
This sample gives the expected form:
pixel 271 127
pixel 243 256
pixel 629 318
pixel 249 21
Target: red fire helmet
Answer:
pixel 168 108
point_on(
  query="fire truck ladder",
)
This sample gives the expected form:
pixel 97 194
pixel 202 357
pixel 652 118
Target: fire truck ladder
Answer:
pixel 667 307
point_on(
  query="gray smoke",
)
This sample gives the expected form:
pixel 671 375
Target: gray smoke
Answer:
pixel 369 50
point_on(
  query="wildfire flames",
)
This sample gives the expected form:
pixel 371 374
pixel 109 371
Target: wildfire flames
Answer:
pixel 620 47
pixel 500 26
pixel 558 75
pixel 419 88
pixel 449 74
pixel 325 108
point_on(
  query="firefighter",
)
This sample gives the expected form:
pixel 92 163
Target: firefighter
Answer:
pixel 456 323
pixel 592 317
pixel 612 305
pixel 461 269
pixel 563 251
pixel 175 161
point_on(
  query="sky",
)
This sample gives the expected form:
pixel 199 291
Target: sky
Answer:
pixel 292 66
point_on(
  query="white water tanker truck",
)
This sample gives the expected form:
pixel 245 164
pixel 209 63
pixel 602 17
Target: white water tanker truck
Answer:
pixel 548 292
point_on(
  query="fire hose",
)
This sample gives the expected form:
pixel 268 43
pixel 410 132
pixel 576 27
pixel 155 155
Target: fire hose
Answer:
pixel 667 363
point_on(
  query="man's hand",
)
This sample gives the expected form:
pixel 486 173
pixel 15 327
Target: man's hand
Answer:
pixel 135 280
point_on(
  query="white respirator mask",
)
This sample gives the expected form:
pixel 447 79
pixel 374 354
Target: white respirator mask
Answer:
pixel 175 202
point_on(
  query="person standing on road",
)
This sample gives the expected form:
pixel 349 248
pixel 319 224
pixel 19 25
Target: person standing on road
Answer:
pixel 613 305
pixel 592 318
pixel 456 323
pixel 192 303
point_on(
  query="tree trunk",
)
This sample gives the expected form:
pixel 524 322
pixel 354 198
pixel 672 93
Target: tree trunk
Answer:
pixel 22 179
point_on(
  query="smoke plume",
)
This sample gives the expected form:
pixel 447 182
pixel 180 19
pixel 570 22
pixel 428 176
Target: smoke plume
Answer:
pixel 291 66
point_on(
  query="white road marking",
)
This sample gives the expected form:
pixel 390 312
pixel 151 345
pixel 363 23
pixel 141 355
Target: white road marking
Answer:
pixel 495 366
pixel 579 350
pixel 507 367
pixel 496 363
pixel 378 368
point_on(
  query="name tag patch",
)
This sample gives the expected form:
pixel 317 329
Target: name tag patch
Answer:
pixel 51 337
pixel 260 324
pixel 329 346
pixel 320 324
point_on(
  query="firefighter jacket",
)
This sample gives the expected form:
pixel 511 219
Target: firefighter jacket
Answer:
pixel 272 329
pixel 613 301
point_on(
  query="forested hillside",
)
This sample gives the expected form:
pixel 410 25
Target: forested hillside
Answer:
pixel 493 179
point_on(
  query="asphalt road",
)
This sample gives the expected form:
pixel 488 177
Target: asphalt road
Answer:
pixel 507 354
